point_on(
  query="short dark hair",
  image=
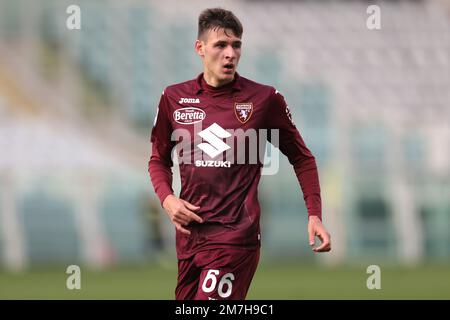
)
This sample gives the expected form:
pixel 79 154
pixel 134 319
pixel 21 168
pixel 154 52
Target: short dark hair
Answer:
pixel 218 18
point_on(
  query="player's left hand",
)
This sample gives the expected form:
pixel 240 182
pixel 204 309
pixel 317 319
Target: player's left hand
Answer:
pixel 316 228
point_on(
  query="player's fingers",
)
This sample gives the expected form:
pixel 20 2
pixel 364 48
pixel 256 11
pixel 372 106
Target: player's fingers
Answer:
pixel 181 229
pixel 190 206
pixel 326 243
pixel 181 219
pixel 325 247
pixel 180 216
pixel 191 215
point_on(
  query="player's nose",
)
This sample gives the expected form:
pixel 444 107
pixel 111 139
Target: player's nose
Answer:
pixel 230 52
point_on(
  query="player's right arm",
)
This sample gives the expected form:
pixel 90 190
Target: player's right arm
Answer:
pixel 160 170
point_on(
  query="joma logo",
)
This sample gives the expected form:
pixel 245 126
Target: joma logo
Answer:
pixel 189 100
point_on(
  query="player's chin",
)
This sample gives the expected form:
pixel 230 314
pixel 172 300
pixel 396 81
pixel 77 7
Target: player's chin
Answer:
pixel 228 74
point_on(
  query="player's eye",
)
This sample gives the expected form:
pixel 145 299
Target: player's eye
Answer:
pixel 221 45
pixel 237 45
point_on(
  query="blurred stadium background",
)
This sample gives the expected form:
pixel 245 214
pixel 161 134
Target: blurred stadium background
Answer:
pixel 77 106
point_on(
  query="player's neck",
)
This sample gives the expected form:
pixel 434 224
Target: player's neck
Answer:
pixel 214 82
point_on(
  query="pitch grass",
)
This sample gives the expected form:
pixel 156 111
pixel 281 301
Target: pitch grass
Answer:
pixel 272 281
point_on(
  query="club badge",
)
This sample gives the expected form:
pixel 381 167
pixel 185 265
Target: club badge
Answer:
pixel 243 111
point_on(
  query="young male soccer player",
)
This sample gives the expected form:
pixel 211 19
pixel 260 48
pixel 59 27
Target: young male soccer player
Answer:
pixel 217 214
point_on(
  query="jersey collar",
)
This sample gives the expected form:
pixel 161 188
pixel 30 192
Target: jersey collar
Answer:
pixel 198 87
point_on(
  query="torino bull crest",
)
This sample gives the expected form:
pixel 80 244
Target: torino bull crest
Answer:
pixel 243 111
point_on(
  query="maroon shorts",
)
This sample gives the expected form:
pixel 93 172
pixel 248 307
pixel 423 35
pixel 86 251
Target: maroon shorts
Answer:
pixel 224 273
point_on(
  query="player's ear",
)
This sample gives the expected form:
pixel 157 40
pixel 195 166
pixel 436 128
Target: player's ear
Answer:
pixel 200 48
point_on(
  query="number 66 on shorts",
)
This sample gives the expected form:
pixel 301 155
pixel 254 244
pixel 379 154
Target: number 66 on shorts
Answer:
pixel 217 274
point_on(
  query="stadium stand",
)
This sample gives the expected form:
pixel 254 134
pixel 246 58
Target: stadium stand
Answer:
pixel 373 105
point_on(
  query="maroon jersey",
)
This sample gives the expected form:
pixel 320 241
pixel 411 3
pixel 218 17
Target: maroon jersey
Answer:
pixel 215 174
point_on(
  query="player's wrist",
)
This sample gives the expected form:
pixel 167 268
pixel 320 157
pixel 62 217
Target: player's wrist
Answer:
pixel 314 217
pixel 166 200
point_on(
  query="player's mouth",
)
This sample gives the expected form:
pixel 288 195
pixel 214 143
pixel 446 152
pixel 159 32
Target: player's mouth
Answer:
pixel 228 68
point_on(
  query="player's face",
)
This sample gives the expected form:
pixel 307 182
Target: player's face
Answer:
pixel 220 52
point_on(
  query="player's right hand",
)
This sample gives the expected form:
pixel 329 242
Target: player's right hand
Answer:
pixel 181 212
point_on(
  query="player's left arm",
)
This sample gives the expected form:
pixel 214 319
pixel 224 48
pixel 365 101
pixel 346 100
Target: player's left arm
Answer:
pixel 292 145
